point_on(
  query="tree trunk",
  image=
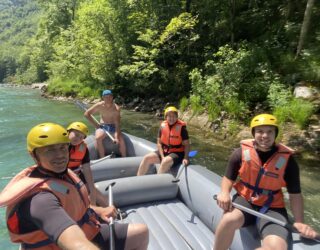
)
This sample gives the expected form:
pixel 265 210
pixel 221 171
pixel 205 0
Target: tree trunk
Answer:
pixel 188 6
pixel 232 5
pixel 305 26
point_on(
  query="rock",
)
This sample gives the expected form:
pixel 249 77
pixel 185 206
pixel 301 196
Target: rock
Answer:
pixel 136 109
pixel 306 92
pixel 158 113
pixel 244 134
pixel 42 86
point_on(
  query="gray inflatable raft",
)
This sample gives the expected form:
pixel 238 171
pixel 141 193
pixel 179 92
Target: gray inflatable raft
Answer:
pixel 179 214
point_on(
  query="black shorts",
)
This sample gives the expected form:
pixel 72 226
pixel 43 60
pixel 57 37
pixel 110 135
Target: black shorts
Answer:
pixel 264 226
pixel 120 235
pixel 177 157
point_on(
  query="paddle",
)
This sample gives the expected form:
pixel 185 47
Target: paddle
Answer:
pixel 84 107
pixel 111 224
pixel 267 217
pixel 191 155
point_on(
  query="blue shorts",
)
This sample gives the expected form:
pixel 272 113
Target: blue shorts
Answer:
pixel 111 128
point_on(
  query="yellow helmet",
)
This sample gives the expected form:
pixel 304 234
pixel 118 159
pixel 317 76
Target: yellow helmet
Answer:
pixel 264 119
pixel 170 109
pixel 79 126
pixel 46 134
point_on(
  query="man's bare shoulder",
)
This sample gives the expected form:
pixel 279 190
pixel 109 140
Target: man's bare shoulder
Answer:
pixel 98 104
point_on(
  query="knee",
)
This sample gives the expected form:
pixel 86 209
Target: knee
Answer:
pixel 99 136
pixel 167 160
pixel 139 233
pixel 149 159
pixel 143 230
pixel 231 221
pixel 274 242
pixel 144 234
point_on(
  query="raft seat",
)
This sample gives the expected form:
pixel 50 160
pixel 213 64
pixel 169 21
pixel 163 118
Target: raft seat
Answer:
pixel 154 200
pixel 180 214
pixel 172 225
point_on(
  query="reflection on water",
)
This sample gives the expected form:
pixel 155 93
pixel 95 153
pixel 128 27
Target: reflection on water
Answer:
pixel 23 108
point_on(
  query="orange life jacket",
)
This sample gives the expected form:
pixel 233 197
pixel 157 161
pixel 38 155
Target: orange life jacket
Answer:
pixel 171 139
pixel 73 199
pixel 76 155
pixel 261 184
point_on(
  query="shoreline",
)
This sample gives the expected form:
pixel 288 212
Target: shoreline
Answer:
pixel 222 130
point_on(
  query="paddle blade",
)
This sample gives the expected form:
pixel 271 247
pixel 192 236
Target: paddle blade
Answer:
pixel 193 153
pixel 81 105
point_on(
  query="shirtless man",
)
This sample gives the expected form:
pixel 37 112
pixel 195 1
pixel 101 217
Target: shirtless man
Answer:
pixel 109 122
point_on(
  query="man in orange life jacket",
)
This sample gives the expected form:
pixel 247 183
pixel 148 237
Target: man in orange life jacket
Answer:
pixel 264 168
pixel 173 144
pixel 48 205
pixel 79 161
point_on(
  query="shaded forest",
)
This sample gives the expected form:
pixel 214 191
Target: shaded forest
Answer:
pixel 210 55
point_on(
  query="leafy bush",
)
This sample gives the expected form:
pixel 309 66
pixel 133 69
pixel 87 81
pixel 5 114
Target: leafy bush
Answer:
pixel 195 104
pixel 183 104
pixel 61 87
pixel 296 110
pixel 279 95
pixel 235 107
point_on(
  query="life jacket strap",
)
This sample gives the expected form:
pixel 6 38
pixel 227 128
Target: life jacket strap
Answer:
pixel 259 191
pixel 36 245
pixel 89 217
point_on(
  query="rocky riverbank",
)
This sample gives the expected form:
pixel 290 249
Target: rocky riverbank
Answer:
pixel 222 130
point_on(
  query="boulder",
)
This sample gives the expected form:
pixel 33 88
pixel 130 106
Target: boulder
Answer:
pixel 302 90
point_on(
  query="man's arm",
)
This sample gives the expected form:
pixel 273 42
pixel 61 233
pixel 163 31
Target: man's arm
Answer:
pixel 296 204
pixel 45 212
pixel 86 170
pixel 223 199
pixel 160 149
pixel 90 112
pixel 231 174
pixel 185 142
pixel 186 152
pixel 105 212
pixel 117 123
pixel 74 238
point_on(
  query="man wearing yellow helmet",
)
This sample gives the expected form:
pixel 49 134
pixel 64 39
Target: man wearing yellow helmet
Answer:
pixel 79 161
pixel 48 205
pixel 173 144
pixel 263 168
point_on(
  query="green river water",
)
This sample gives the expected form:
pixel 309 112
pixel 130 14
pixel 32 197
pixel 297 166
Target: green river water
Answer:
pixel 22 108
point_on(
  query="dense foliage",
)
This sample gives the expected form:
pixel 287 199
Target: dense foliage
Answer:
pixel 213 56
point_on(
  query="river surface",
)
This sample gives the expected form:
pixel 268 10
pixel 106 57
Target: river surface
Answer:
pixel 22 108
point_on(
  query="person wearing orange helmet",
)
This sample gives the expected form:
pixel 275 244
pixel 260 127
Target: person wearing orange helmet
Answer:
pixel 48 205
pixel 79 161
pixel 173 144
pixel 257 171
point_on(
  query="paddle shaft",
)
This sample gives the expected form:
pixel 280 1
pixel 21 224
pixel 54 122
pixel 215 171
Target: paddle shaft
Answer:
pixel 266 217
pixel 182 166
pixel 191 154
pixel 111 224
pixel 260 215
pixel 82 106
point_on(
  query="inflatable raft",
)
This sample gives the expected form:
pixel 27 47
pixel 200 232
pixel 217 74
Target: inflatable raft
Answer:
pixel 180 213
